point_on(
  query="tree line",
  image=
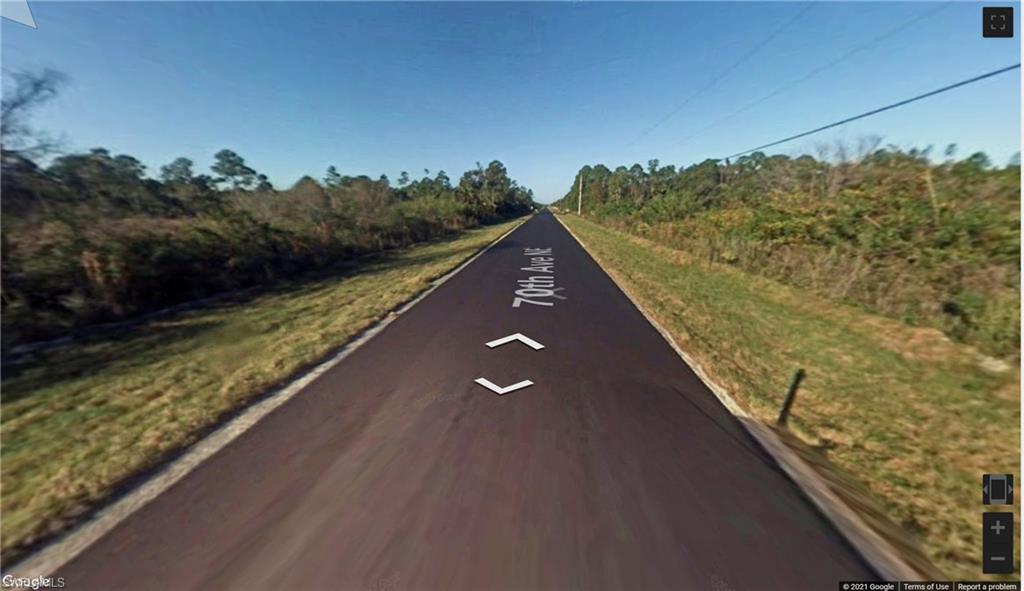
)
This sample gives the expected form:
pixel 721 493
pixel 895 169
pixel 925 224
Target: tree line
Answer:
pixel 931 239
pixel 92 237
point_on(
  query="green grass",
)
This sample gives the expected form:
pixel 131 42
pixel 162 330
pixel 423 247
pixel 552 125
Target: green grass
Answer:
pixel 79 420
pixel 913 417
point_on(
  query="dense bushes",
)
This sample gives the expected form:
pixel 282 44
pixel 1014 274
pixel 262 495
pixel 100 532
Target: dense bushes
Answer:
pixel 935 244
pixel 91 239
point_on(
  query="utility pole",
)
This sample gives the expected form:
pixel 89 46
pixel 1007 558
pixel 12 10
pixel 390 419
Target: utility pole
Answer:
pixel 579 201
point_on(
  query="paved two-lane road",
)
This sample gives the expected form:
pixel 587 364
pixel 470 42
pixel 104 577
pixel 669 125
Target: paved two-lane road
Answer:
pixel 394 470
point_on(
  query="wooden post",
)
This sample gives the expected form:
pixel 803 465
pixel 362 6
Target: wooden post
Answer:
pixel 579 201
pixel 931 193
pixel 790 396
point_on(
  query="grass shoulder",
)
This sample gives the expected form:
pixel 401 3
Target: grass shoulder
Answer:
pixel 909 416
pixel 80 419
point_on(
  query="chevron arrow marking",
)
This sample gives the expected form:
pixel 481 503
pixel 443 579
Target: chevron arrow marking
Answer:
pixel 502 391
pixel 516 337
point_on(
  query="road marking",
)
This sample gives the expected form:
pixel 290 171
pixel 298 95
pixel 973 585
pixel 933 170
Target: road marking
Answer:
pixel 502 391
pixel 534 288
pixel 516 337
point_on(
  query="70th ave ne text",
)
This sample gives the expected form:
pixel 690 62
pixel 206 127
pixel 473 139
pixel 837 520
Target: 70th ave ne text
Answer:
pixel 538 290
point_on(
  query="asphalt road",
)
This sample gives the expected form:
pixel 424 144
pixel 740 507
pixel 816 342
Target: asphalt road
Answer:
pixel 616 469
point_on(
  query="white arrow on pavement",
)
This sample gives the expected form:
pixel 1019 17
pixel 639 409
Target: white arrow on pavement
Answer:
pixel 498 389
pixel 516 337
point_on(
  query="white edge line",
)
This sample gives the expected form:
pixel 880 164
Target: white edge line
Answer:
pixel 65 548
pixel 873 548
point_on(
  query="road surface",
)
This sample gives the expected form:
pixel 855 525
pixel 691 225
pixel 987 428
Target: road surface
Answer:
pixel 616 469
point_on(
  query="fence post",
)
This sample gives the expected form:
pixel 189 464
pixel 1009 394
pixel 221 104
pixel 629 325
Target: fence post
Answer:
pixel 790 396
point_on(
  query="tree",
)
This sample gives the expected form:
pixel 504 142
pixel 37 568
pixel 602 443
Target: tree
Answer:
pixel 980 160
pixel 443 182
pixel 230 167
pixel 204 182
pixel 99 170
pixel 618 184
pixel 27 92
pixel 263 184
pixel 116 181
pixel 468 190
pixel 332 178
pixel 403 179
pixel 308 194
pixel 129 166
pixel 177 172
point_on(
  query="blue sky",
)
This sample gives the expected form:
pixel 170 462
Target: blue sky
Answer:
pixel 545 87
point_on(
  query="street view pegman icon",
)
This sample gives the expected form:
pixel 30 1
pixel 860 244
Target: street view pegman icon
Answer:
pixel 997 489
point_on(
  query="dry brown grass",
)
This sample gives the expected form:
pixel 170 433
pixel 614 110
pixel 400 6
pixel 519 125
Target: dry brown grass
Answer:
pixel 78 421
pixel 909 416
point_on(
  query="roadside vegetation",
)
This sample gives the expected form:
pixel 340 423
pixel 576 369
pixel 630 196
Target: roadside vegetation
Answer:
pixel 79 419
pixel 91 237
pixel 905 417
pixel 930 241
pixel 92 245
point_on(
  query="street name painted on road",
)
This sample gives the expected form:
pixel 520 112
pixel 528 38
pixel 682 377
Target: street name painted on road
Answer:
pixel 534 288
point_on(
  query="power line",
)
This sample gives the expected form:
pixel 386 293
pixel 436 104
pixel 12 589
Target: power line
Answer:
pixel 901 28
pixel 879 110
pixel 751 53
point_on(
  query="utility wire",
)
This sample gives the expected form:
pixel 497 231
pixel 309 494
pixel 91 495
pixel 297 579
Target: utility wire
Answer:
pixel 885 108
pixel 901 28
pixel 753 51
